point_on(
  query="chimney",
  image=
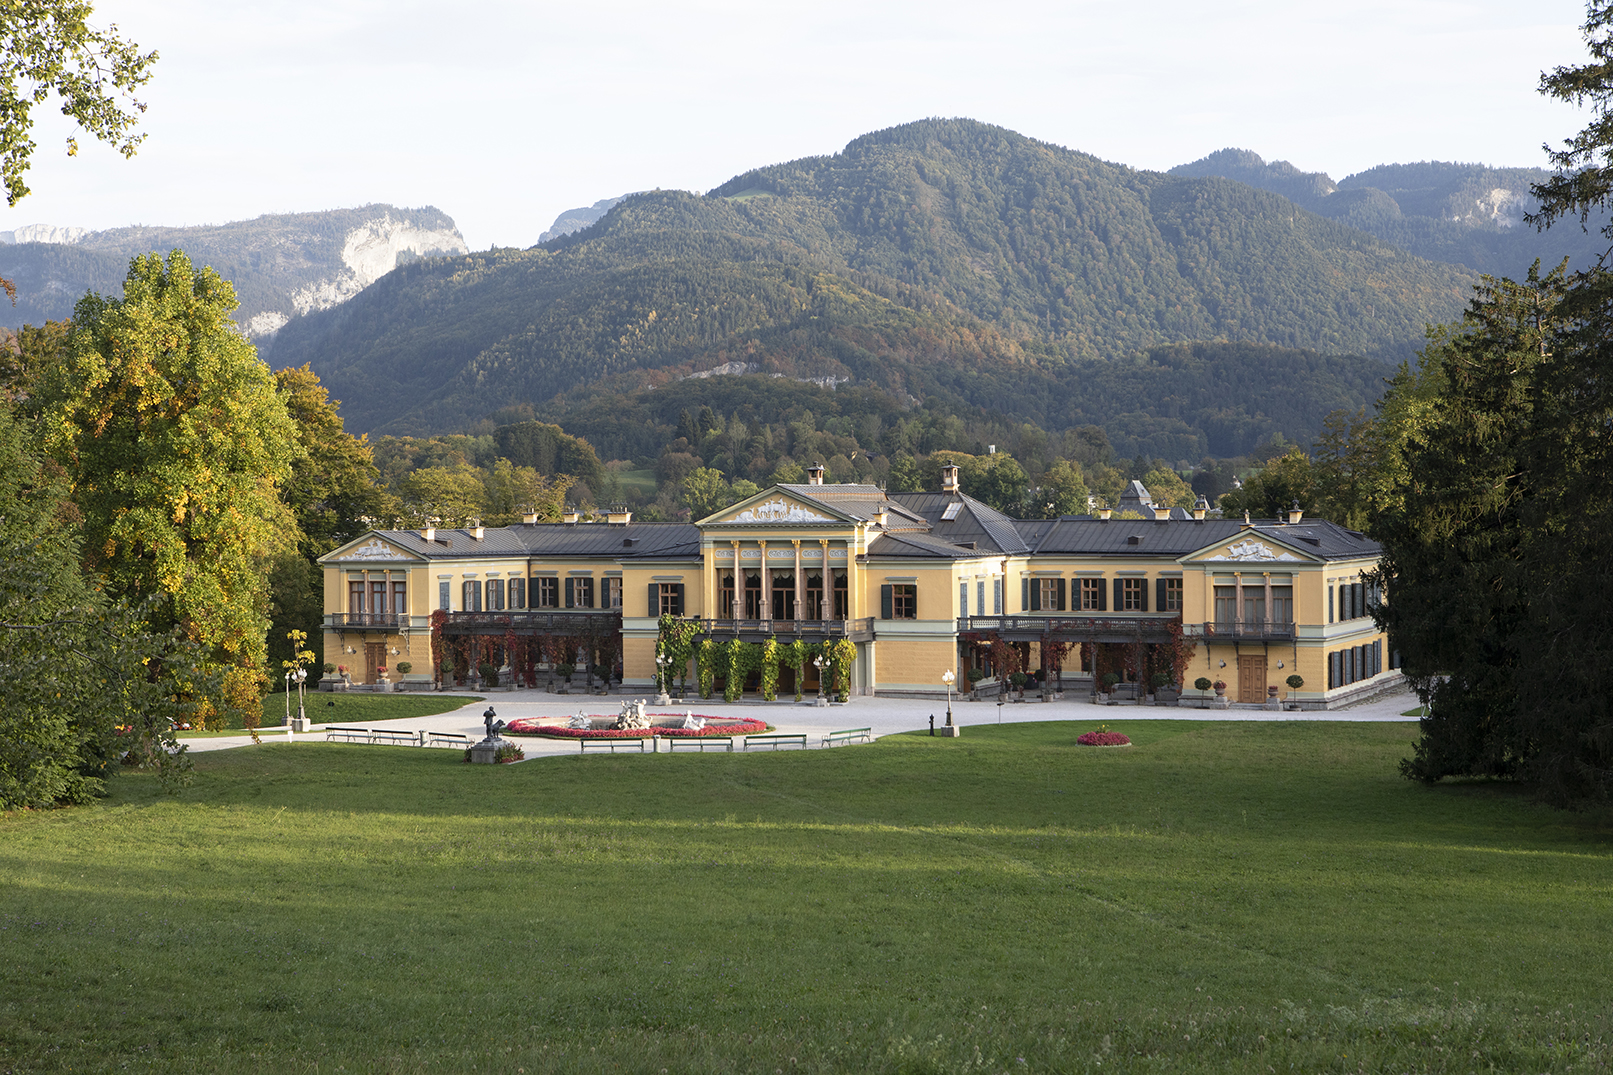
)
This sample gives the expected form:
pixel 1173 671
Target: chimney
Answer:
pixel 882 517
pixel 1103 514
pixel 429 533
pixel 570 515
pixel 476 532
pixel 1201 508
pixel 1161 514
pixel 815 474
pixel 618 516
pixel 949 478
pixel 1295 514
pixel 529 517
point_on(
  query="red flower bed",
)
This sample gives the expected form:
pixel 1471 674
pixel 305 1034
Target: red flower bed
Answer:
pixel 536 726
pixel 1104 739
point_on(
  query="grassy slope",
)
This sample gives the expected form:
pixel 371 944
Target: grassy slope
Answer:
pixel 348 708
pixel 1219 897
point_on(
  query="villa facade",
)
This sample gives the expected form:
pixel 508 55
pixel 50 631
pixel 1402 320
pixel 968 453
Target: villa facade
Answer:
pixel 920 583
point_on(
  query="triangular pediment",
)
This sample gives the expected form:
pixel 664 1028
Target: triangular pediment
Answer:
pixel 1250 547
pixel 773 508
pixel 370 548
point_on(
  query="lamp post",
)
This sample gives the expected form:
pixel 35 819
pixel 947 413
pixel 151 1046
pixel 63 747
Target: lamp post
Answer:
pixel 301 676
pixel 662 671
pixel 948 678
pixel 817 662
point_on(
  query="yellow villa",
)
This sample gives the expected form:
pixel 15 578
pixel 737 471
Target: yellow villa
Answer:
pixel 921 583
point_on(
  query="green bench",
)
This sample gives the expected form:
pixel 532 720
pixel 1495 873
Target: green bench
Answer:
pixel 697 742
pixel 775 741
pixel 849 735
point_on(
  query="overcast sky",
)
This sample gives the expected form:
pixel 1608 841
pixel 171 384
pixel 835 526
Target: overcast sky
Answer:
pixel 503 115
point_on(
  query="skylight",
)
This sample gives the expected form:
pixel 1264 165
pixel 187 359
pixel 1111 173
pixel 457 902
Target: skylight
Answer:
pixel 952 511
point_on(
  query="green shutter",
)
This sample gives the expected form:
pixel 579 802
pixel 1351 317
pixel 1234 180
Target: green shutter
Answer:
pixel 1064 589
pixel 1024 595
pixel 571 593
pixel 677 599
pixel 1120 595
pixel 1036 595
pixel 655 600
pixel 1103 597
pixel 885 602
pixel 1159 596
pixel 1143 594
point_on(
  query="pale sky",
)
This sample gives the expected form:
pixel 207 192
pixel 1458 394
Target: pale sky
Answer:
pixel 505 114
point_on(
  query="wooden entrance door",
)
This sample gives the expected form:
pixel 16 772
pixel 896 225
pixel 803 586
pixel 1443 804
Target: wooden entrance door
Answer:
pixel 1252 678
pixel 374 657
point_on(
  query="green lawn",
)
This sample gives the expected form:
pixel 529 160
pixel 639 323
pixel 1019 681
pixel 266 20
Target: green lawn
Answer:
pixel 1219 897
pixel 346 708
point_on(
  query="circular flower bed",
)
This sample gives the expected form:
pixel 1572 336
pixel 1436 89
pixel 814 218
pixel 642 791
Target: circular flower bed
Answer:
pixel 1104 739
pixel 673 728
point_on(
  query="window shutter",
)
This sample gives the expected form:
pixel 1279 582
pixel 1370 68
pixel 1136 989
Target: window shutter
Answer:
pixel 1142 595
pixel 996 597
pixel 1064 585
pixel 677 599
pixel 1025 596
pixel 571 593
pixel 1120 595
pixel 963 599
pixel 1036 595
pixel 885 602
pixel 1330 604
pixel 1332 670
pixel 1103 597
pixel 655 600
pixel 1159 595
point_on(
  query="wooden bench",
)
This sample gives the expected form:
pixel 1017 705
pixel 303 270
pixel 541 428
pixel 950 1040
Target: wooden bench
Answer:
pixel 348 735
pixel 697 742
pixel 775 741
pixel 849 735
pixel 448 739
pixel 585 745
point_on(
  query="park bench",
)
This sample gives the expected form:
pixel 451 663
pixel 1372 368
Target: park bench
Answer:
pixel 394 735
pixel 848 735
pixel 348 735
pixel 448 739
pixel 585 745
pixel 698 742
pixel 773 742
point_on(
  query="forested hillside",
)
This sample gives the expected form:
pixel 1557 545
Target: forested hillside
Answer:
pixel 1469 214
pixel 941 257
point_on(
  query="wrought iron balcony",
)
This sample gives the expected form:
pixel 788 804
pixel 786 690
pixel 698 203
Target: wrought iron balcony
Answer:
pixel 387 621
pixel 578 620
pixel 1247 631
pixel 1075 626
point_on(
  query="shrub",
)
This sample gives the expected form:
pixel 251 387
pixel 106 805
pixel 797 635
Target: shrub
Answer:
pixel 1110 679
pixel 1018 680
pixel 1295 682
pixel 975 675
pixel 405 667
pixel 329 668
pixel 1103 739
pixel 1160 679
pixel 1201 684
pixel 489 674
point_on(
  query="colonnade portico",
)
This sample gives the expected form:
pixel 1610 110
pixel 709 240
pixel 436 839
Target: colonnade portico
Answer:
pixel 732 558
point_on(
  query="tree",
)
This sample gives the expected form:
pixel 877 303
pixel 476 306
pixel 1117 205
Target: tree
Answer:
pixel 512 492
pixel 1465 536
pixel 1063 492
pixel 1269 494
pixel 1167 488
pixel 176 445
pixel 333 490
pixel 82 682
pixel 704 492
pixel 452 496
pixel 48 47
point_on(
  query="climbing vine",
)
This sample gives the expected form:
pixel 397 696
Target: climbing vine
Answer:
pixel 768 658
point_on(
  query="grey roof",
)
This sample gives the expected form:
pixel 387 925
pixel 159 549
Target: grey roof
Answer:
pixel 989 529
pixel 1085 535
pixel 909 544
pixel 635 541
pixel 860 502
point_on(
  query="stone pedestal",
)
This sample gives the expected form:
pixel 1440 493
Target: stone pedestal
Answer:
pixel 486 752
pixel 951 732
pixel 300 725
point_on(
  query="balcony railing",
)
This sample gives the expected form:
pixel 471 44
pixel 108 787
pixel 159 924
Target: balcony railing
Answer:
pixel 862 628
pixel 1071 623
pixel 564 619
pixel 389 621
pixel 1247 631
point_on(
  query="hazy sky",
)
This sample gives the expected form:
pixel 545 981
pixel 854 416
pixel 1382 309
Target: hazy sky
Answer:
pixel 503 115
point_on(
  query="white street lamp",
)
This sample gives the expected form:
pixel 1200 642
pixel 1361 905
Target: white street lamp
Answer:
pixel 948 678
pixel 818 664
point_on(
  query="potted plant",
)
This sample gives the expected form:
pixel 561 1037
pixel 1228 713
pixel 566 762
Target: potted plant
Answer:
pixel 1110 679
pixel 1018 680
pixel 1220 688
pixel 1201 685
pixel 1165 690
pixel 489 674
pixel 447 671
pixel 381 682
pixel 975 675
pixel 1294 683
pixel 565 671
pixel 404 668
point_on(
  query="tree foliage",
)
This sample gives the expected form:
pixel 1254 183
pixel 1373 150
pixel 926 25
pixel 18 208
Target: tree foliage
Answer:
pixel 177 444
pixel 48 47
